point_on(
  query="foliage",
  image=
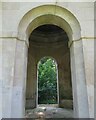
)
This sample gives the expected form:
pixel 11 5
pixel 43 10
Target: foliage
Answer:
pixel 47 81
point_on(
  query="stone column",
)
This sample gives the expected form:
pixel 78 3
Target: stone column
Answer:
pixel 88 49
pixel 19 83
pixel 14 78
pixel 80 98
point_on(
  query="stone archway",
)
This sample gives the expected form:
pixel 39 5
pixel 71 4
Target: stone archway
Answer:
pixel 50 14
pixel 49 40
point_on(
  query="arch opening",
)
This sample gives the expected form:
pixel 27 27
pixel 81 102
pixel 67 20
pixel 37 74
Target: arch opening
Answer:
pixel 49 40
pixel 47 90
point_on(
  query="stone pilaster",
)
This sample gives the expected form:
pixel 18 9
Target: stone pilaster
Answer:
pixel 14 61
pixel 80 98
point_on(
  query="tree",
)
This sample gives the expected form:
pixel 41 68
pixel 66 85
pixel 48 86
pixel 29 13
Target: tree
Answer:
pixel 47 81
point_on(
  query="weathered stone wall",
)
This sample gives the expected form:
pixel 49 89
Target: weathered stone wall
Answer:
pixel 13 52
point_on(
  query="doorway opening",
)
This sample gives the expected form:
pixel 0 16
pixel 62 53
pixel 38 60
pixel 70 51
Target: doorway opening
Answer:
pixel 47 89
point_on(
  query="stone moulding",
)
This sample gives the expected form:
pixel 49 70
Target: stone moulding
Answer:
pixel 49 14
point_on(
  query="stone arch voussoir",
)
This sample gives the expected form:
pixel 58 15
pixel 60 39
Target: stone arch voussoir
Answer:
pixel 49 14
